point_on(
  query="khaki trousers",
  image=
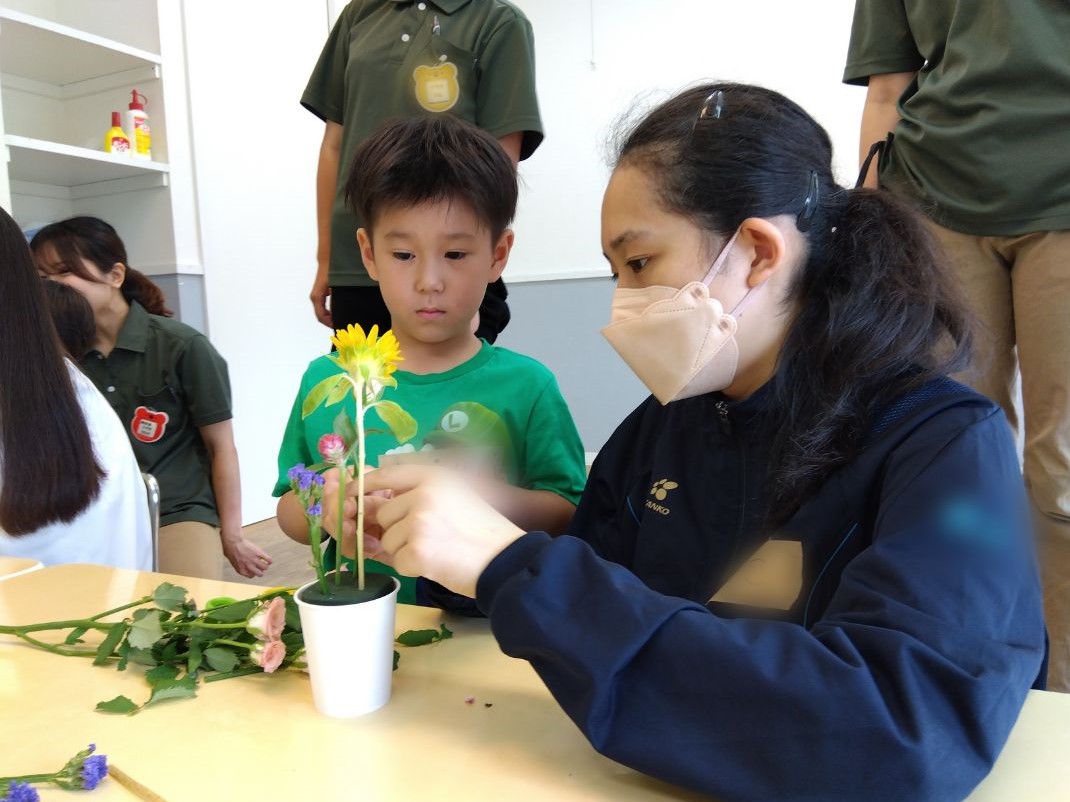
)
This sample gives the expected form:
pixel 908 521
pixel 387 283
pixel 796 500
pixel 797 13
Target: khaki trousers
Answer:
pixel 191 548
pixel 1019 289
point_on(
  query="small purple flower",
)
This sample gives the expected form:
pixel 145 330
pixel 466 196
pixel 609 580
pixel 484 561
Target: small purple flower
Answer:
pixel 94 769
pixel 21 792
pixel 315 510
pixel 295 472
pixel 304 481
pixel 318 480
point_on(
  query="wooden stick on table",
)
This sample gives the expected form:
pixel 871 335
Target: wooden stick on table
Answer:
pixel 132 785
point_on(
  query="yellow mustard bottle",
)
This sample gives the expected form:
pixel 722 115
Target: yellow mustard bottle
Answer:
pixel 115 140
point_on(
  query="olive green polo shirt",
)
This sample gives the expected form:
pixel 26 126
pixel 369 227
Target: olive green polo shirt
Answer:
pixel 164 380
pixel 983 146
pixel 386 59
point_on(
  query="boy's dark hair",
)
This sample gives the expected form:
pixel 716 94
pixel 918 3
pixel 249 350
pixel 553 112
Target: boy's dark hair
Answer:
pixel 430 159
pixel 72 316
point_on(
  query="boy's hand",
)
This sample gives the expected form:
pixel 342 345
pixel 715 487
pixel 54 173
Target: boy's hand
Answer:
pixel 437 526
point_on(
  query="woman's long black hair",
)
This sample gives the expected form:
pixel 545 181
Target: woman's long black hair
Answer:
pixel 48 471
pixel 876 312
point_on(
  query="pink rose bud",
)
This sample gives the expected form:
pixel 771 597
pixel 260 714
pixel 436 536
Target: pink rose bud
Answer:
pixel 269 655
pixel 268 621
pixel 332 447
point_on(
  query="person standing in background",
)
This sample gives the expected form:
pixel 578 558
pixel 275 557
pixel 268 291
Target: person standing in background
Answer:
pixel 384 59
pixel 972 101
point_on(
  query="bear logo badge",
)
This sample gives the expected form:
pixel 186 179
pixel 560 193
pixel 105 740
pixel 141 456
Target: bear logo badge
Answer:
pixel 437 88
pixel 148 425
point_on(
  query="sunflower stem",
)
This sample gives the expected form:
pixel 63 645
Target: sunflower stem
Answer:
pixel 360 485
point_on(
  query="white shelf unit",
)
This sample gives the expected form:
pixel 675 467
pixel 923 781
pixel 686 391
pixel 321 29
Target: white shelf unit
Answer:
pixel 65 65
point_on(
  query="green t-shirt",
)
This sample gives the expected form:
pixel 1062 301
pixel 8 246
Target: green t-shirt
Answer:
pixel 386 59
pixel 165 380
pixel 982 144
pixel 498 401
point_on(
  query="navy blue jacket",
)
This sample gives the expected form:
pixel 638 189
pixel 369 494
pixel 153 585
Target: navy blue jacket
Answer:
pixel 896 673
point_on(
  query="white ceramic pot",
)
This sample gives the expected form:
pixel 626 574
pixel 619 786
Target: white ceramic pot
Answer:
pixel 349 649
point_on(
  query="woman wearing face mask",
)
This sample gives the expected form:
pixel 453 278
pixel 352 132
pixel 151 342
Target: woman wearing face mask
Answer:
pixel 801 570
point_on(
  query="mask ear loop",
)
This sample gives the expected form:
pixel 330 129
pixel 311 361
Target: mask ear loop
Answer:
pixel 876 150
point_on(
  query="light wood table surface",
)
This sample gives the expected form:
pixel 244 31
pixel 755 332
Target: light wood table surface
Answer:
pixel 13 566
pixel 260 738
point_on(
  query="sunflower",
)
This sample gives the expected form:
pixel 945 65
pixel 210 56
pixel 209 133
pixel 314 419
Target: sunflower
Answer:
pixel 371 358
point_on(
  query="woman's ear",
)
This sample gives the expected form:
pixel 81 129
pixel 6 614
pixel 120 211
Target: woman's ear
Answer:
pixel 116 276
pixel 364 242
pixel 502 248
pixel 766 248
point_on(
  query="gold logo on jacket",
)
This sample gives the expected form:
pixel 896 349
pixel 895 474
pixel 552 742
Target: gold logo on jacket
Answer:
pixel 437 88
pixel 660 491
pixel 771 578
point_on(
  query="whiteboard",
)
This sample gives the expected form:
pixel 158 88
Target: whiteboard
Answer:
pixel 596 58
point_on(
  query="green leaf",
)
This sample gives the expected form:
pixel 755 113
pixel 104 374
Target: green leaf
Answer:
pixel 422 637
pixel 239 611
pixel 120 704
pixel 124 656
pixel 173 689
pixel 75 636
pixel 340 391
pixel 195 657
pixel 143 657
pixel 397 657
pixel 146 629
pixel 318 393
pixel 344 428
pixel 169 597
pixel 293 615
pixel 221 659
pixel 219 601
pixel 401 423
pixel 111 640
pixel 164 673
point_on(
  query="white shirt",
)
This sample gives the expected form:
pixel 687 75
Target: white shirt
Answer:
pixel 115 528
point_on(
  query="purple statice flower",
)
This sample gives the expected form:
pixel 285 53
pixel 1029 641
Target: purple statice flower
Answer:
pixel 318 479
pixel 315 510
pixel 21 792
pixel 94 769
pixel 295 472
pixel 304 481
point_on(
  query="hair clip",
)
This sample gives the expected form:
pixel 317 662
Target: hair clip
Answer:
pixel 813 196
pixel 712 107
pixel 716 100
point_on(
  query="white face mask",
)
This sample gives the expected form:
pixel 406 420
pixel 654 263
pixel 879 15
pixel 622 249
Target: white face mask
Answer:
pixel 679 342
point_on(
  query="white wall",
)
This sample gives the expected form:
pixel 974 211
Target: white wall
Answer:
pixel 597 57
pixel 255 154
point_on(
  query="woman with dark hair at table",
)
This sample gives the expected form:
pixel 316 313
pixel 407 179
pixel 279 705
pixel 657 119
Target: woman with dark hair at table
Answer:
pixel 802 569
pixel 70 488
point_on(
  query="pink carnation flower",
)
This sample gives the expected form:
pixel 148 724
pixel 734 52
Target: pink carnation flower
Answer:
pixel 332 447
pixel 269 655
pixel 268 621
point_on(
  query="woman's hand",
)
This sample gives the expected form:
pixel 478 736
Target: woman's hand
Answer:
pixel 247 558
pixel 434 525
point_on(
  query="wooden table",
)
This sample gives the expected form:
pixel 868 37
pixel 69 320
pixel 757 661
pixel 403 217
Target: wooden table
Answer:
pixel 259 737
pixel 13 566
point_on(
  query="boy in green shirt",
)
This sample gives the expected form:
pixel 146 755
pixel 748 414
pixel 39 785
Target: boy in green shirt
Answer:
pixel 438 195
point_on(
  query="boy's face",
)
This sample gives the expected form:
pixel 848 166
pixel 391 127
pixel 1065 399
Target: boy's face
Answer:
pixel 433 263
